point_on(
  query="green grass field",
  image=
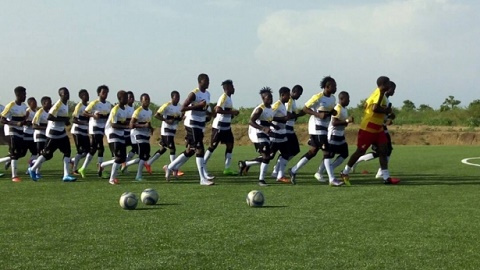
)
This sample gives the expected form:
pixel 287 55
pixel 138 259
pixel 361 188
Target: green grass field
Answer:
pixel 429 221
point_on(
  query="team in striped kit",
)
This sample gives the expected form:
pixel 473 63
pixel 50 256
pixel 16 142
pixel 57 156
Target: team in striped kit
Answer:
pixel 43 130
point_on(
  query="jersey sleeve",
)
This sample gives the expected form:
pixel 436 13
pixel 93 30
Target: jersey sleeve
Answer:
pixel 76 112
pixel 36 118
pixel 221 101
pixel 91 106
pixel 113 115
pixel 6 112
pixel 313 100
pixel 339 109
pixel 162 108
pixel 137 112
pixel 54 110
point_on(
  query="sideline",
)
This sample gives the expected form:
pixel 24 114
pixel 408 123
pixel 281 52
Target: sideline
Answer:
pixel 465 161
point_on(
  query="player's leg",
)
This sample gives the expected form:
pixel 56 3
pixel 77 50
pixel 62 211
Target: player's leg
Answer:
pixel 16 151
pixel 91 153
pixel 143 155
pixel 266 155
pixel 282 161
pixel 65 147
pixel 315 143
pixel 214 141
pixel 120 154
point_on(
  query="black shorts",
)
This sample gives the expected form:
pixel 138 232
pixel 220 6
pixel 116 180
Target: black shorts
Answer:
pixel 293 144
pixel 263 148
pixel 143 151
pixel 167 142
pixel 31 146
pixel 63 144
pixel 82 143
pixel 128 140
pixel 340 149
pixel 40 147
pixel 281 147
pixel 16 147
pixel 119 150
pixel 194 138
pixel 222 136
pixel 319 141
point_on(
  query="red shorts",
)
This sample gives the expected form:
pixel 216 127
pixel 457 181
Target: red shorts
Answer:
pixel 365 139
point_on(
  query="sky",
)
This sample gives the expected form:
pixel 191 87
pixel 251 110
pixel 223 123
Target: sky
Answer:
pixel 430 48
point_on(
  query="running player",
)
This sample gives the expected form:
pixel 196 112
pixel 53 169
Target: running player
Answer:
pixel 115 132
pixel 128 140
pixel 195 108
pixel 57 138
pixel 79 129
pixel 28 131
pixel 221 129
pixel 170 114
pixel 320 107
pixel 13 118
pixel 372 132
pixel 97 110
pixel 336 135
pixel 258 132
pixel 39 123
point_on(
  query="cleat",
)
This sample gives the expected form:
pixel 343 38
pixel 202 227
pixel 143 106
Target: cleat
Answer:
pixel 69 178
pixel 262 183
pixel 391 181
pixel 243 168
pixel 283 180
pixel 100 171
pixel 113 181
pixel 148 168
pixel 167 173
pixel 76 172
pixel 178 173
pixel 229 172
pixel 39 176
pixel 139 179
pixel 210 177
pixel 346 179
pixel 81 171
pixel 293 177
pixel 32 174
pixel 206 183
pixel 379 175
pixel 320 178
pixel 17 179
pixel 336 183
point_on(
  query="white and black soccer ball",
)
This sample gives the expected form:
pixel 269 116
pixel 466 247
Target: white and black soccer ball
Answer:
pixel 255 198
pixel 128 201
pixel 149 196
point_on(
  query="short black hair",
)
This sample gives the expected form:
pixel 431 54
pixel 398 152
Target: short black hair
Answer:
pixel 45 98
pixel 102 87
pixel 130 93
pixel 202 76
pixel 82 92
pixel 266 90
pixel 284 90
pixel 342 94
pixel 30 99
pixel 227 82
pixel 19 89
pixel 62 89
pixel 173 93
pixel 144 95
pixel 392 84
pixel 297 88
pixel 326 80
pixel 382 80
pixel 121 93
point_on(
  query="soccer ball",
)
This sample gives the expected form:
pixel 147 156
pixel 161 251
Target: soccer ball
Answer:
pixel 149 196
pixel 255 198
pixel 128 201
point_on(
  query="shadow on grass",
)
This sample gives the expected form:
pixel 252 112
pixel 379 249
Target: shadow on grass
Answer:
pixel 272 206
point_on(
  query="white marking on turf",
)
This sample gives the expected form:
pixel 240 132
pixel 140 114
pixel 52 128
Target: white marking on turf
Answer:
pixel 466 161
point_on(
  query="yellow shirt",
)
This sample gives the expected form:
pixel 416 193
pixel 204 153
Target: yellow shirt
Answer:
pixel 371 121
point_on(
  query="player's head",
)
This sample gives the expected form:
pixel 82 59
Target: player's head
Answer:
pixel 383 82
pixel 284 94
pixel 329 85
pixel 64 94
pixel 297 91
pixel 203 81
pixel 228 87
pixel 32 103
pixel 266 94
pixel 391 90
pixel 46 103
pixel 175 95
pixel 344 98
pixel 131 98
pixel 122 97
pixel 83 95
pixel 145 100
pixel 102 92
pixel 20 93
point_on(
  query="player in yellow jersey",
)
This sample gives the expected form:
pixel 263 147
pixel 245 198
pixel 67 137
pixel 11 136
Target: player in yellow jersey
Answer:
pixel 372 130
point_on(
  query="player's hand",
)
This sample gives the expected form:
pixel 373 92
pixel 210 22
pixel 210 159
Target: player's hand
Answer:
pixel 266 130
pixel 203 104
pixel 96 115
pixel 350 119
pixel 333 112
pixel 19 123
pixel 391 116
pixel 170 121
pixel 235 112
pixel 321 115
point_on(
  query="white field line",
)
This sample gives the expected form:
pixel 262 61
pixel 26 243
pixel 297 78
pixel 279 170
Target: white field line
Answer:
pixel 466 161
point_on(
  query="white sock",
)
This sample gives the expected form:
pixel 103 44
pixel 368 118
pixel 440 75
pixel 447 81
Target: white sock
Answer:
pixel 207 156
pixel 38 162
pixel 37 170
pixel 14 165
pixel 385 174
pixel 200 168
pixel 347 169
pixel 107 163
pixel 282 163
pixel 76 160
pixel 66 166
pixel 131 162
pixel 365 157
pixel 300 164
pixel 130 156
pixel 275 168
pixel 100 160
pixel 263 170
pixel 252 162
pixel 87 161
pixel 338 161
pixel 5 159
pixel 31 159
pixel 140 168
pixel 321 168
pixel 179 161
pixel 228 160
pixel 172 158
pixel 328 167
pixel 115 167
pixel 153 158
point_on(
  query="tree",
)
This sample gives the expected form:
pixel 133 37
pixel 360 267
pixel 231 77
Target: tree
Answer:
pixel 408 105
pixel 361 105
pixel 450 102
pixel 424 107
pixel 474 104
